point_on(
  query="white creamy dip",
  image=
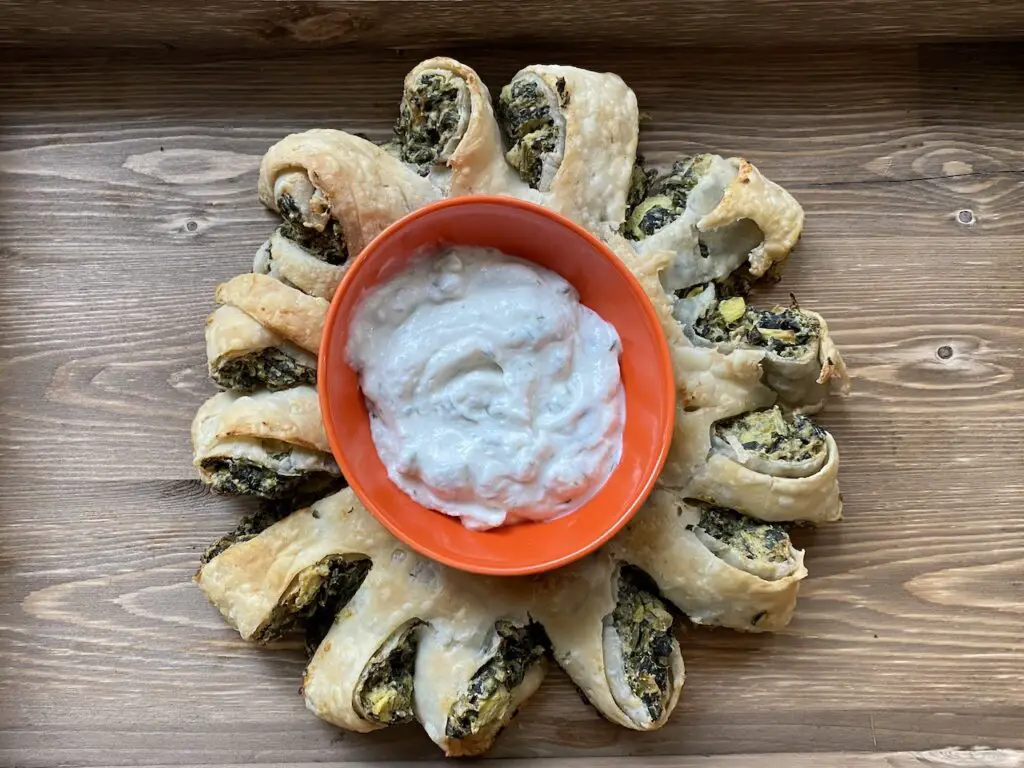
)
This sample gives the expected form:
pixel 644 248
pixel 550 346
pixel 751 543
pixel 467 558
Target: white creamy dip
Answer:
pixel 494 395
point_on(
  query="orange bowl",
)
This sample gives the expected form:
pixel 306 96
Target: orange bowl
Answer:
pixel 604 284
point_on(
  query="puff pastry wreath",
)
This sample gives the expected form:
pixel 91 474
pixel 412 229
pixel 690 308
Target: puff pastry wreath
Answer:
pixel 394 638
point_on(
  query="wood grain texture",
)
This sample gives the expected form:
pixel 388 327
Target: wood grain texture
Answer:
pixel 272 25
pixel 127 191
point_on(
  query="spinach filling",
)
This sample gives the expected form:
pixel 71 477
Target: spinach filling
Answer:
pixel 313 599
pixel 750 539
pixel 249 527
pixel 784 331
pixel 525 111
pixel 768 434
pixel 342 581
pixel 666 198
pixel 270 367
pixel 431 120
pixel 327 245
pixel 644 628
pixel 487 703
pixel 640 181
pixel 384 692
pixel 242 477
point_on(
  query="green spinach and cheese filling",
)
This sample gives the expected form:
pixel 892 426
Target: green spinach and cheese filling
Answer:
pixel 530 114
pixel 283 470
pixel 639 647
pixel 489 702
pixel 270 367
pixel 784 331
pixel 768 441
pixel 243 355
pixel 433 118
pixel 384 691
pixel 760 549
pixel 312 600
pixel 307 218
pixel 668 218
pixel 666 200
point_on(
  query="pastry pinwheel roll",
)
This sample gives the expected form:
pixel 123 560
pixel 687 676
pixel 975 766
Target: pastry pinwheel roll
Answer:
pixel 361 676
pixel 306 597
pixel 612 635
pixel 335 192
pixel 243 355
pixel 250 572
pixel 446 129
pixel 772 466
pixel 292 315
pixel 479 660
pixel 716 215
pixel 268 444
pixel 717 566
pixel 704 377
pixel 801 363
pixel 573 136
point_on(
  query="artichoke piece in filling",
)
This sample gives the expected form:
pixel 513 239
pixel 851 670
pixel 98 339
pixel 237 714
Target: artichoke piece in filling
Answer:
pixel 644 630
pixel 761 549
pixel 270 367
pixel 529 111
pixel 639 184
pixel 766 441
pixel 784 331
pixel 487 704
pixel 383 693
pixel 432 119
pixel 314 598
pixel 666 200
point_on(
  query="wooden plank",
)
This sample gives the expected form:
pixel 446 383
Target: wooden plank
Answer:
pixel 275 26
pixel 940 758
pixel 127 190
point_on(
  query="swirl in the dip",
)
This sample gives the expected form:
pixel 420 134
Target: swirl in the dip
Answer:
pixel 494 395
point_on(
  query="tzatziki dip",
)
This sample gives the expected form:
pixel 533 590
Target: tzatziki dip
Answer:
pixel 494 394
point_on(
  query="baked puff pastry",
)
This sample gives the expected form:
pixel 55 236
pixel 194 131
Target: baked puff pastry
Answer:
pixel 573 136
pixel 447 132
pixel 243 355
pixel 268 444
pixel 717 566
pixel 800 361
pixel 480 659
pixel 613 635
pixel 335 192
pixel 717 216
pixel 416 639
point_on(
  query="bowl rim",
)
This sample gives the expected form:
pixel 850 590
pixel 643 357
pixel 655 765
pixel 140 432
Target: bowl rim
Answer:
pixel 667 417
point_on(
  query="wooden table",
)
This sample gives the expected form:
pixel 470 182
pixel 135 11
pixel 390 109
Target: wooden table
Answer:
pixel 128 192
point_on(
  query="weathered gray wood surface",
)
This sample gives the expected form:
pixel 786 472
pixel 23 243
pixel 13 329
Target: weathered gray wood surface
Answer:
pixel 274 26
pixel 127 191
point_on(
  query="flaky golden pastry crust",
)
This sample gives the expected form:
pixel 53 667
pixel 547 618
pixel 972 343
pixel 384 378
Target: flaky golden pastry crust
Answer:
pixel 294 265
pixel 661 540
pixel 477 165
pixel 278 307
pixel 601 130
pixel 573 605
pixel 777 214
pixel 230 333
pixel 365 188
pixel 246 582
